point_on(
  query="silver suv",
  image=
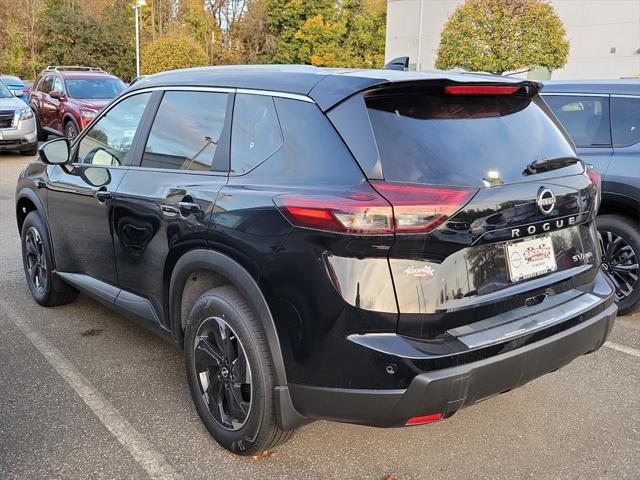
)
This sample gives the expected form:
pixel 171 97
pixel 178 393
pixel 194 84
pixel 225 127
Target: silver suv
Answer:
pixel 17 124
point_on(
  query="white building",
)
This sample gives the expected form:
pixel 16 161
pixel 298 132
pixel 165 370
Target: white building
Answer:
pixel 604 35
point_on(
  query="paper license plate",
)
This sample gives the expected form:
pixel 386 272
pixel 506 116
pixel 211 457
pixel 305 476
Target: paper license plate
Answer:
pixel 530 258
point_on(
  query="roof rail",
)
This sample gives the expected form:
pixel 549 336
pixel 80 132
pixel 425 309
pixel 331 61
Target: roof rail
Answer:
pixel 77 68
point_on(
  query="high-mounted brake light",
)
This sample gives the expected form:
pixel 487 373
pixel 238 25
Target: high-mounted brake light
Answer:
pixel 383 209
pixel 424 419
pixel 481 89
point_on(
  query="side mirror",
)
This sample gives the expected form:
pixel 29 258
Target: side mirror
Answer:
pixel 17 93
pixel 56 95
pixel 55 152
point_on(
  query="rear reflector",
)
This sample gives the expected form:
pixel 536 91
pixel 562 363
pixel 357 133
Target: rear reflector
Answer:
pixel 481 89
pixel 424 419
pixel 385 208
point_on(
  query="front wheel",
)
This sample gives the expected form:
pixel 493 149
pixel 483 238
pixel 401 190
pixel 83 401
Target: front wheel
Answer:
pixel 38 264
pixel 230 373
pixel 70 130
pixel 620 242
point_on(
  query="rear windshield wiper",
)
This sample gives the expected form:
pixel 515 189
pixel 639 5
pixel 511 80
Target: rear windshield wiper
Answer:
pixel 547 164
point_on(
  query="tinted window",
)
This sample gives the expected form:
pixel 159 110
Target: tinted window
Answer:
pixel 47 84
pixel 95 88
pixel 585 118
pixel 312 154
pixel 109 141
pixel 186 131
pixel 625 121
pixel 255 134
pixel 57 85
pixel 461 140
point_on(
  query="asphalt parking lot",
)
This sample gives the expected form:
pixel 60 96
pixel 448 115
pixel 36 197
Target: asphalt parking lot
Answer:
pixel 86 394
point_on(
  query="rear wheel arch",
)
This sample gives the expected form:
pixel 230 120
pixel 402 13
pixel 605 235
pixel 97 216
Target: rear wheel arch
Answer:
pixel 199 270
pixel 26 202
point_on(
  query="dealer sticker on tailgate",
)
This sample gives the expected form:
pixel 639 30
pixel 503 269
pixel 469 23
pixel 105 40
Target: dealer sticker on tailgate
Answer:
pixel 530 258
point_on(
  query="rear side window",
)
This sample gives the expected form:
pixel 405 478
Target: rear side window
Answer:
pixel 461 139
pixel 186 131
pixel 255 133
pixel 625 121
pixel 585 118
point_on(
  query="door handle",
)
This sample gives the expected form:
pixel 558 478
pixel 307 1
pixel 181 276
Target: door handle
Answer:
pixel 103 195
pixel 169 211
pixel 189 207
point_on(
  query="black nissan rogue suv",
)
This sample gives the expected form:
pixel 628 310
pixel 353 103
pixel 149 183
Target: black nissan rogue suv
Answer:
pixel 375 247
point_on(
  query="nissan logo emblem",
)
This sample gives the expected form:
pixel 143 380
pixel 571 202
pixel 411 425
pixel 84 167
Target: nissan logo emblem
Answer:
pixel 546 200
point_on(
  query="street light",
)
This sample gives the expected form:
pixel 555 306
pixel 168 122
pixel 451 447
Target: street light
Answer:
pixel 136 8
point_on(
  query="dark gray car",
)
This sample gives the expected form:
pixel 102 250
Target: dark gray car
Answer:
pixel 603 118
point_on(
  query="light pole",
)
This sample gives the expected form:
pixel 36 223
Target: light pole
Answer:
pixel 136 8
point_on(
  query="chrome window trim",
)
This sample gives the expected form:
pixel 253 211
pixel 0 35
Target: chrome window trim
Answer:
pixel 272 93
pixel 623 95
pixel 573 94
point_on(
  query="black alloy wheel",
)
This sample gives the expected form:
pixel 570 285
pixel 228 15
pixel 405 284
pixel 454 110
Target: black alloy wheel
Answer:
pixel 223 372
pixel 619 263
pixel 36 260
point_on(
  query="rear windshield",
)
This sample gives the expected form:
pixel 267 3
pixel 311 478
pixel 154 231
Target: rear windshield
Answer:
pixel 95 88
pixel 461 140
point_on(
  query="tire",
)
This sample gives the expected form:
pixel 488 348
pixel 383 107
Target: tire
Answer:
pixel 37 262
pixel 71 130
pixel 42 135
pixel 31 152
pixel 620 240
pixel 224 310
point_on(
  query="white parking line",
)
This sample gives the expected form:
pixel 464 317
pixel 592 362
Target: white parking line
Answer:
pixel 140 449
pixel 622 348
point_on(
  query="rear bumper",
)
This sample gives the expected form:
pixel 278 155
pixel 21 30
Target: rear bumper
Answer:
pixel 448 390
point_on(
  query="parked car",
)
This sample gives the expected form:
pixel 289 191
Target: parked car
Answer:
pixel 17 125
pixel 375 247
pixel 66 99
pixel 17 87
pixel 603 118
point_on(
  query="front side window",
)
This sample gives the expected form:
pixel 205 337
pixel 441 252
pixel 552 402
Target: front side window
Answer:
pixel 109 141
pixel 255 134
pixel 47 84
pixel 186 131
pixel 625 121
pixel 57 85
pixel 585 118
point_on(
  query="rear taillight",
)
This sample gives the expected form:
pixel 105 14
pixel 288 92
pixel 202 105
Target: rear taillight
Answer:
pixel 383 209
pixel 481 89
pixel 596 179
pixel 362 211
pixel 418 208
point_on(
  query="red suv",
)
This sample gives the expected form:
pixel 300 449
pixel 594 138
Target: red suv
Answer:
pixel 65 99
